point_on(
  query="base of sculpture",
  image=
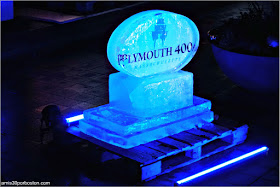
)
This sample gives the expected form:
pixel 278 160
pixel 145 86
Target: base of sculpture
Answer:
pixel 121 129
pixel 111 116
pixel 149 96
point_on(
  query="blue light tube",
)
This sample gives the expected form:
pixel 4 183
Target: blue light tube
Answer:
pixel 75 118
pixel 222 165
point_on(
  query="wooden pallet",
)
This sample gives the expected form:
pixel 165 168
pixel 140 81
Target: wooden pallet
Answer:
pixel 164 155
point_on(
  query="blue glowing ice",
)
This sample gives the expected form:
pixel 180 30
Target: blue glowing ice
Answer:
pixel 153 42
pixel 98 130
pixel 110 117
pixel 149 96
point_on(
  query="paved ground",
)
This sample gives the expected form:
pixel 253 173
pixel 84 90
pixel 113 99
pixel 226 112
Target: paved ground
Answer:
pixel 76 78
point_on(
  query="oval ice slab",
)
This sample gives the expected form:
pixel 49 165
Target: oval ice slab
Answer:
pixel 153 42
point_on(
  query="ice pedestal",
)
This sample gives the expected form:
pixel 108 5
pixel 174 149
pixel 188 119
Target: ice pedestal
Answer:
pixel 98 129
pixel 123 123
pixel 150 96
pixel 146 109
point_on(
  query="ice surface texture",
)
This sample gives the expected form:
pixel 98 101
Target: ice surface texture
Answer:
pixel 145 136
pixel 152 95
pixel 153 42
pixel 122 123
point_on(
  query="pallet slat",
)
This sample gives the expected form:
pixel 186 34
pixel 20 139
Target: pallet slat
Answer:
pixel 215 129
pixel 173 142
pixel 160 147
pixel 201 133
pixel 188 138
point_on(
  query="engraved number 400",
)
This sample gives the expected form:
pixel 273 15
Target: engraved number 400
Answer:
pixel 184 47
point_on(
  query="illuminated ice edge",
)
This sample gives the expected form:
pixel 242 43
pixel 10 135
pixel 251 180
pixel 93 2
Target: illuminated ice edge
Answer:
pixel 75 118
pixel 222 165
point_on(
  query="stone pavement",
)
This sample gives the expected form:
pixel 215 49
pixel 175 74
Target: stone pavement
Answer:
pixel 76 78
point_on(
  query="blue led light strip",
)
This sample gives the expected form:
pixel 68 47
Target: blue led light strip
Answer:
pixel 74 118
pixel 222 165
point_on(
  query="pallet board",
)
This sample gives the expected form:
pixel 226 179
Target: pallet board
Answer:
pixel 164 155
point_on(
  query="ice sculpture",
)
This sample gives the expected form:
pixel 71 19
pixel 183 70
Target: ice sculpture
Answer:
pixel 151 97
pixel 153 42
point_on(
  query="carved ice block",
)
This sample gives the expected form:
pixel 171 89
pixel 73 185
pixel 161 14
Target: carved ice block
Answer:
pixel 110 117
pixel 156 94
pixel 145 136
